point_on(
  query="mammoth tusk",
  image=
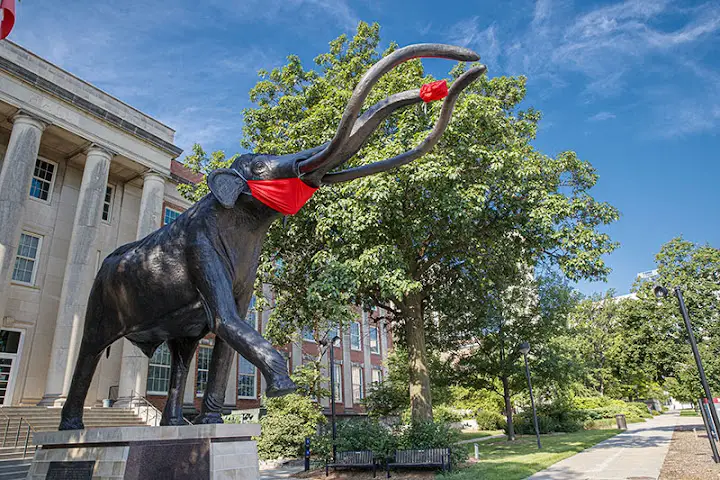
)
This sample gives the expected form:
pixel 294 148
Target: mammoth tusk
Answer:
pixel 458 86
pixel 327 158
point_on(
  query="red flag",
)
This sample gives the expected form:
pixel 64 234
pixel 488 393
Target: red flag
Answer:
pixel 7 8
pixel 434 91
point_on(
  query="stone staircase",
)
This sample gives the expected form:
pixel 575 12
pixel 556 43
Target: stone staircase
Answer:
pixel 18 423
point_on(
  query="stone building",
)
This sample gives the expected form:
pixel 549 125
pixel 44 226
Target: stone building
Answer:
pixel 82 173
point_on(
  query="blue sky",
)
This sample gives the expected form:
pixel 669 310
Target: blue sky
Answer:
pixel 633 86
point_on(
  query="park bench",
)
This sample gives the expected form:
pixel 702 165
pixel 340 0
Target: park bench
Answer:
pixel 355 459
pixel 429 457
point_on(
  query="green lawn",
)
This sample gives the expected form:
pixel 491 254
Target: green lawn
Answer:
pixel 501 460
pixel 479 434
pixel 689 413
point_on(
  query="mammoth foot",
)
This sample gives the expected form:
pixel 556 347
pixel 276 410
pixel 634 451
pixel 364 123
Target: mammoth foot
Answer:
pixel 280 386
pixel 208 418
pixel 73 423
pixel 173 422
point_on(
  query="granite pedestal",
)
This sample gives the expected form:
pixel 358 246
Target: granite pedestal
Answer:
pixel 194 452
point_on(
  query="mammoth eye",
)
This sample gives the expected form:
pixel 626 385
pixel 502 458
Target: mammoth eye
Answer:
pixel 257 168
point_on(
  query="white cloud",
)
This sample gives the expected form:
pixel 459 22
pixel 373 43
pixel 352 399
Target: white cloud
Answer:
pixel 601 116
pixel 467 33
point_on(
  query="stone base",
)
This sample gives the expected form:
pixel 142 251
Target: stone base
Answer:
pixel 136 453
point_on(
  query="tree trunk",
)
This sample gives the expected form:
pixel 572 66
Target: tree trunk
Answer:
pixel 508 408
pixel 420 397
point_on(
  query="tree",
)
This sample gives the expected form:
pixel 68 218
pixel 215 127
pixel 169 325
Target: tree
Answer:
pixel 488 333
pixel 400 237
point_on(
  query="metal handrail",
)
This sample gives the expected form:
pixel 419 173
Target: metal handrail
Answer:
pixel 28 429
pixel 148 405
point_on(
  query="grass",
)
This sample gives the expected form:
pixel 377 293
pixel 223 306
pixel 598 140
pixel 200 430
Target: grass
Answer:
pixel 479 434
pixel 502 460
pixel 689 413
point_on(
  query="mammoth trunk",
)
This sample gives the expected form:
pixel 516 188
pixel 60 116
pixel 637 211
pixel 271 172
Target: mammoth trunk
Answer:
pixel 420 397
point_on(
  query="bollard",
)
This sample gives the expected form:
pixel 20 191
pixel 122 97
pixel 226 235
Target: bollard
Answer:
pixel 621 422
pixel 477 452
pixel 307 454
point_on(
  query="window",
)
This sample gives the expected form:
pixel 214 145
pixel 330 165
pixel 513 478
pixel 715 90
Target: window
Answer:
pixel 203 367
pixel 334 332
pixel 307 334
pixel 246 384
pixel 42 180
pixel 107 204
pixel 338 382
pixel 357 383
pixel 158 381
pixel 374 344
pixel 26 259
pixel 376 375
pixel 170 215
pixel 355 340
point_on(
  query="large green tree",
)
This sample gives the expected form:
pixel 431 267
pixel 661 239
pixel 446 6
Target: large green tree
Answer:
pixel 396 240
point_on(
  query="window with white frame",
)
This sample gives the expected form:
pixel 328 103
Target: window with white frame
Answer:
pixel 247 384
pixel 107 203
pixel 338 382
pixel 307 334
pixel 203 369
pixel 358 387
pixel 374 343
pixel 377 375
pixel 26 259
pixel 170 215
pixel 355 338
pixel 158 380
pixel 42 180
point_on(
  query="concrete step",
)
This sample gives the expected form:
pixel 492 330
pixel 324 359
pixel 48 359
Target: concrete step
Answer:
pixel 18 474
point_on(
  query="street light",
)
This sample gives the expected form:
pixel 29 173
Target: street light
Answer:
pixel 662 292
pixel 525 349
pixel 331 343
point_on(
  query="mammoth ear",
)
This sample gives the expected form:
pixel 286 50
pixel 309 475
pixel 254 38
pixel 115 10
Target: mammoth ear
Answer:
pixel 226 185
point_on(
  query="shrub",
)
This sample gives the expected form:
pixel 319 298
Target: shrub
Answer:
pixel 420 435
pixel 385 398
pixel 365 434
pixel 444 414
pixel 490 420
pixel 289 420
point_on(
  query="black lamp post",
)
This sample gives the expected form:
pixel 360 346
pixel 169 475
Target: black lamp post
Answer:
pixel 662 292
pixel 331 344
pixel 524 349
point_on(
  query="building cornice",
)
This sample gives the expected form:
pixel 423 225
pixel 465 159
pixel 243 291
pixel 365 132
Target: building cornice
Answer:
pixel 85 106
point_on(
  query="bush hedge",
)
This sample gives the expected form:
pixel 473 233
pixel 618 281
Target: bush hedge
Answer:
pixel 383 440
pixel 490 420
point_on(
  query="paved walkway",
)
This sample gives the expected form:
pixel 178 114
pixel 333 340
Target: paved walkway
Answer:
pixel 637 454
pixel 280 472
pixel 481 439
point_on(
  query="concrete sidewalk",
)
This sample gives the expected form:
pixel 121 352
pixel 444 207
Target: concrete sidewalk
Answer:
pixel 636 454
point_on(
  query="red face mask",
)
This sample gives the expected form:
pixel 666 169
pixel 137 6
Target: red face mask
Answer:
pixel 286 195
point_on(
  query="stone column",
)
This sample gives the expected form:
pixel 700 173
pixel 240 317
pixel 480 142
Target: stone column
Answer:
pixel 134 365
pixel 382 331
pixel 367 362
pixel 15 179
pixel 78 277
pixel 347 369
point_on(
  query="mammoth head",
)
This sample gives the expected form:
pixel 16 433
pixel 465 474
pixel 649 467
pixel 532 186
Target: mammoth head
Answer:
pixel 286 182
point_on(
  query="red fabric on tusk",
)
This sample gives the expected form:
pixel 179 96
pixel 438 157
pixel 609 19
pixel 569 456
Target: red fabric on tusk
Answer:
pixel 434 91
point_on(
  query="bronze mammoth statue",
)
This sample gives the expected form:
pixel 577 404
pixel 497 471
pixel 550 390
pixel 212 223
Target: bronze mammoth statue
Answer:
pixel 196 274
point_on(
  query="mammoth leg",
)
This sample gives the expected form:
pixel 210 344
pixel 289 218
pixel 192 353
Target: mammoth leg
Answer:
pixel 181 353
pixel 220 365
pixel 90 351
pixel 214 284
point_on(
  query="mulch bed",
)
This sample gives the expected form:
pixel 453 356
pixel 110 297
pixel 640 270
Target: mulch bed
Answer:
pixel 689 456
